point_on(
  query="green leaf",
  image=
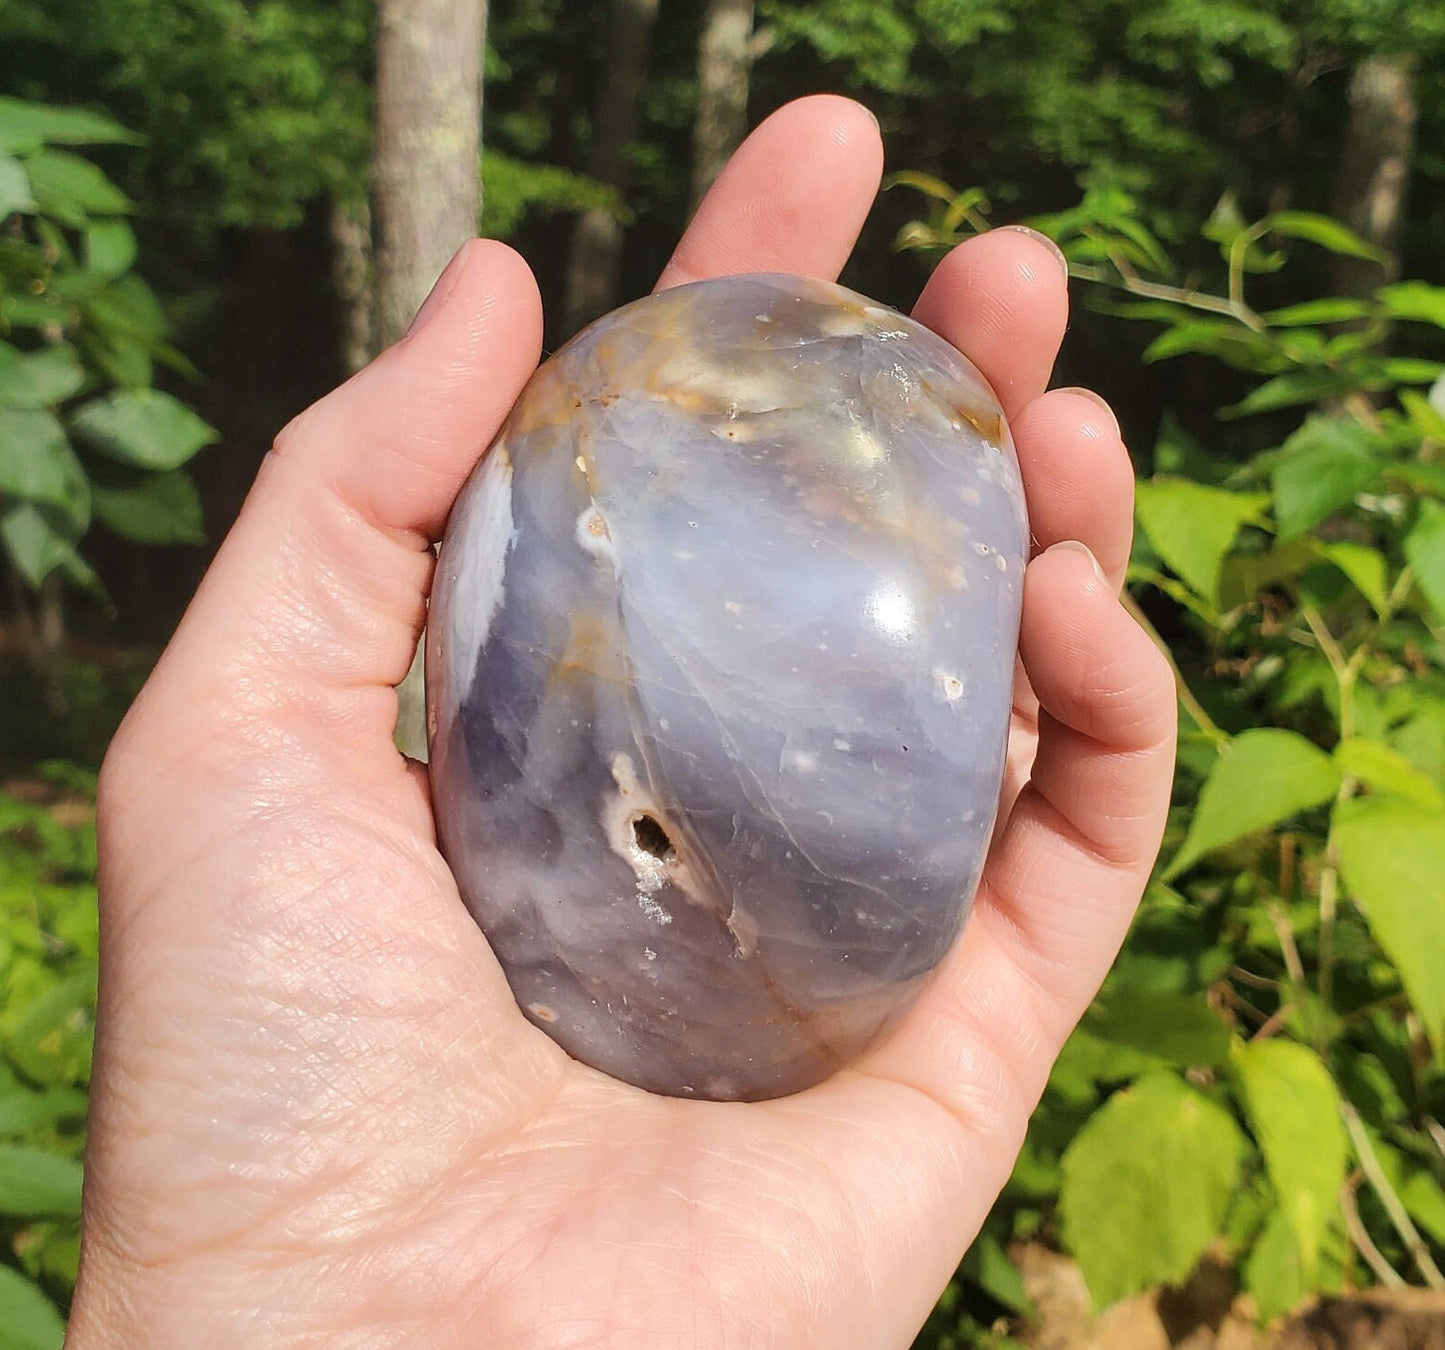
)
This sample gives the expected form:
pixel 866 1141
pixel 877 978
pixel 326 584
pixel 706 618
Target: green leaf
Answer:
pixel 1322 230
pixel 1385 770
pixel 73 189
pixel 1210 336
pixel 1332 309
pixel 38 379
pixel 1390 857
pixel 1274 1272
pixel 38 465
pixel 925 183
pixel 35 1183
pixel 1410 370
pixel 28 1320
pixel 1425 475
pixel 1425 548
pixel 986 1264
pixel 15 193
pixel 1178 1029
pixel 1415 300
pixel 162 508
pixel 26 126
pixel 1320 469
pixel 1365 568
pixel 1146 1184
pixel 1246 574
pixel 1262 777
pixel 1422 1195
pixel 22 1110
pixel 110 247
pixel 1427 419
pixel 1294 1109
pixel 1286 391
pixel 143 427
pixel 1192 526
pixel 40 541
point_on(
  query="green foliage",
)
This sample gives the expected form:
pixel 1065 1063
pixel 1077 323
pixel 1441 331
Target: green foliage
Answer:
pixel 1146 1184
pixel 513 187
pixel 1265 1067
pixel 248 111
pixel 48 949
pixel 83 435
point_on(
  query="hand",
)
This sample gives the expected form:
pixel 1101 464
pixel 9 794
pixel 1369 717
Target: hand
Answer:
pixel 319 1119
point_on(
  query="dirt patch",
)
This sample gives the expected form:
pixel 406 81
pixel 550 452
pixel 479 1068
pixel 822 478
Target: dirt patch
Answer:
pixel 1210 1313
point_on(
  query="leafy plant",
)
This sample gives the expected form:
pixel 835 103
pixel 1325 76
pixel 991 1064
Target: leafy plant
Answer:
pixel 48 947
pixel 84 437
pixel 1263 1073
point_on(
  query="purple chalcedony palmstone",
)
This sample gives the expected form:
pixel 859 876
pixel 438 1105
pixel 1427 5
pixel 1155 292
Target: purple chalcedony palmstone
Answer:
pixel 720 665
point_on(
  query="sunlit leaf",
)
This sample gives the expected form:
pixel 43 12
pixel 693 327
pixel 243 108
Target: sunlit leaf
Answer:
pixel 1390 855
pixel 73 189
pixel 28 1320
pixel 25 126
pixel 1415 300
pixel 1264 776
pixel 1324 231
pixel 1294 1110
pixel 1146 1183
pixel 1425 548
pixel 143 427
pixel 1178 1029
pixel 1366 569
pixel 1333 309
pixel 1192 526
pixel 15 193
pixel 1385 770
pixel 34 1182
pixel 1321 468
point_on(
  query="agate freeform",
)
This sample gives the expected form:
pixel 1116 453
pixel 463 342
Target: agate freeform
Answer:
pixel 720 662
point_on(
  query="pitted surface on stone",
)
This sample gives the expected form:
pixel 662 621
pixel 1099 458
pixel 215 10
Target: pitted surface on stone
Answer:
pixel 720 666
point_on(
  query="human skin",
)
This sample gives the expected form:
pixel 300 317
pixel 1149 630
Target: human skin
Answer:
pixel 318 1117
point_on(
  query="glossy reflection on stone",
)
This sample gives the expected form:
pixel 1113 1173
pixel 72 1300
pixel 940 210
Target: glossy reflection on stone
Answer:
pixel 720 666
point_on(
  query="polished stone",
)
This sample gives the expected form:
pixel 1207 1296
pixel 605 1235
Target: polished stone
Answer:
pixel 720 664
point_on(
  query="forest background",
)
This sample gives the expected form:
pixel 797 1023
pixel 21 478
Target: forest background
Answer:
pixel 211 210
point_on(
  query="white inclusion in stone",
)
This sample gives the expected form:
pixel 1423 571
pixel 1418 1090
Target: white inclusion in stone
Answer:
pixel 801 761
pixel 593 536
pixel 891 612
pixel 651 908
pixel 487 531
pixel 949 684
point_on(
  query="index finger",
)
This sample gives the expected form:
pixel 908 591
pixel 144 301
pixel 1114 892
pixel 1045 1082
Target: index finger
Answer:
pixel 791 199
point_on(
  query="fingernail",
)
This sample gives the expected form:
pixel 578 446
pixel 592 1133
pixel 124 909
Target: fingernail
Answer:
pixel 1093 398
pixel 1074 546
pixel 443 287
pixel 1045 241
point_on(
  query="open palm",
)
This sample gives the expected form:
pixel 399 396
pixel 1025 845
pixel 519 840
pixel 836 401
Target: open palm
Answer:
pixel 318 1116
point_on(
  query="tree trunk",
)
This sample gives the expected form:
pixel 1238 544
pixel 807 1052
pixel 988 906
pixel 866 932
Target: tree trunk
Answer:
pixel 724 58
pixel 427 186
pixel 353 277
pixel 595 260
pixel 1375 167
pixel 426 189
